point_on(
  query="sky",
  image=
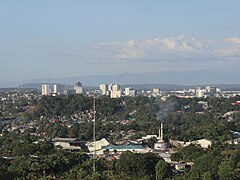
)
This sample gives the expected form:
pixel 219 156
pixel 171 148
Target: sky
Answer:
pixel 65 38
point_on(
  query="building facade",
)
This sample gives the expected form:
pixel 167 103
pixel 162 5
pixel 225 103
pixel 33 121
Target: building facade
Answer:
pixel 78 88
pixel 46 89
pixel 58 89
pixel 104 89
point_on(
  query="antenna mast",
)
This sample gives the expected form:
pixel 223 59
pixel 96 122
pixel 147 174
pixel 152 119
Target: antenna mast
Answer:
pixel 94 135
pixel 161 132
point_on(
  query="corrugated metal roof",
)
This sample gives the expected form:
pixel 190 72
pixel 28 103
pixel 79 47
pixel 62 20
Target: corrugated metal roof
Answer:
pixel 123 147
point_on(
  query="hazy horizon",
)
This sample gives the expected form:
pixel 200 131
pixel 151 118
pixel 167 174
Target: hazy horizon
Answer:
pixel 59 38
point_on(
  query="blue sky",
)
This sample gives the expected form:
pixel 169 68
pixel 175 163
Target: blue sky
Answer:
pixel 64 38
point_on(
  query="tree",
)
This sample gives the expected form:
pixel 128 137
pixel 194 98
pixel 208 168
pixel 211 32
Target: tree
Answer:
pixel 226 171
pixel 207 175
pixel 152 141
pixel 188 153
pixel 4 174
pixel 207 162
pixel 137 165
pixel 126 164
pixel 162 170
pixel 77 173
pixel 45 147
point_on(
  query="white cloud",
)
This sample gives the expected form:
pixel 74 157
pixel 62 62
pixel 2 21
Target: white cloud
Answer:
pixel 233 40
pixel 233 51
pixel 171 48
pixel 169 43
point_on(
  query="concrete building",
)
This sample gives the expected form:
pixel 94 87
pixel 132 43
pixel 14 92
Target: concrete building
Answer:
pixel 115 91
pixel 78 88
pixel 115 87
pixel 124 148
pixel 218 90
pixel 69 92
pixel 156 91
pixel 116 94
pixel 160 145
pixel 66 144
pixel 208 89
pixel 211 90
pixel 130 92
pixel 45 89
pixel 204 143
pixel 147 137
pixel 103 89
pixel 110 87
pixel 58 89
pixel 233 141
pixel 96 146
pixel 200 93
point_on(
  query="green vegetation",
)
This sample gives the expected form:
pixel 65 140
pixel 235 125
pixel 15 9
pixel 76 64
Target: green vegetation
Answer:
pixel 34 156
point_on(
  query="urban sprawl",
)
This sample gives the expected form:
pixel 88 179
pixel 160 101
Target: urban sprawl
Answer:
pixel 110 122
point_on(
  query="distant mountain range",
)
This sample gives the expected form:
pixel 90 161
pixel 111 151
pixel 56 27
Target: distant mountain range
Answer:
pixel 135 86
pixel 163 80
pixel 164 87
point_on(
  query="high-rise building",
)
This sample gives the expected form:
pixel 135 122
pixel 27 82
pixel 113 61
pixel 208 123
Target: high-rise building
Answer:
pixel 218 90
pixel 156 91
pixel 110 87
pixel 104 89
pixel 211 90
pixel 78 88
pixel 200 93
pixel 115 87
pixel 69 92
pixel 58 89
pixel 116 94
pixel 208 89
pixel 45 89
pixel 130 92
pixel 115 91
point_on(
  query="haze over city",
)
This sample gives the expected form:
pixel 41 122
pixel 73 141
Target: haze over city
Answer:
pixel 127 89
pixel 60 39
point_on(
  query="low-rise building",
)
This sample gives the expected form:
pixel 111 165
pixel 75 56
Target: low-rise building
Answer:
pixel 204 143
pixel 131 148
pixel 96 146
pixel 66 143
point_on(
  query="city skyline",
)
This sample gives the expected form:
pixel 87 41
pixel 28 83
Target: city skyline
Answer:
pixel 81 38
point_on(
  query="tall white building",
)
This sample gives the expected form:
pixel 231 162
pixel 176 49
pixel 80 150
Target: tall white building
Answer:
pixel 58 89
pixel 110 87
pixel 115 87
pixel 116 94
pixel 156 91
pixel 218 90
pixel 130 92
pixel 200 93
pixel 78 88
pixel 115 91
pixel 104 89
pixel 211 90
pixel 45 89
pixel 208 89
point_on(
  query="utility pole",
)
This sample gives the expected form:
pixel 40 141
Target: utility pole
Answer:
pixel 94 135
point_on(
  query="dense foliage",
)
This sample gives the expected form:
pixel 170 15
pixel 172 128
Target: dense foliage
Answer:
pixel 121 119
